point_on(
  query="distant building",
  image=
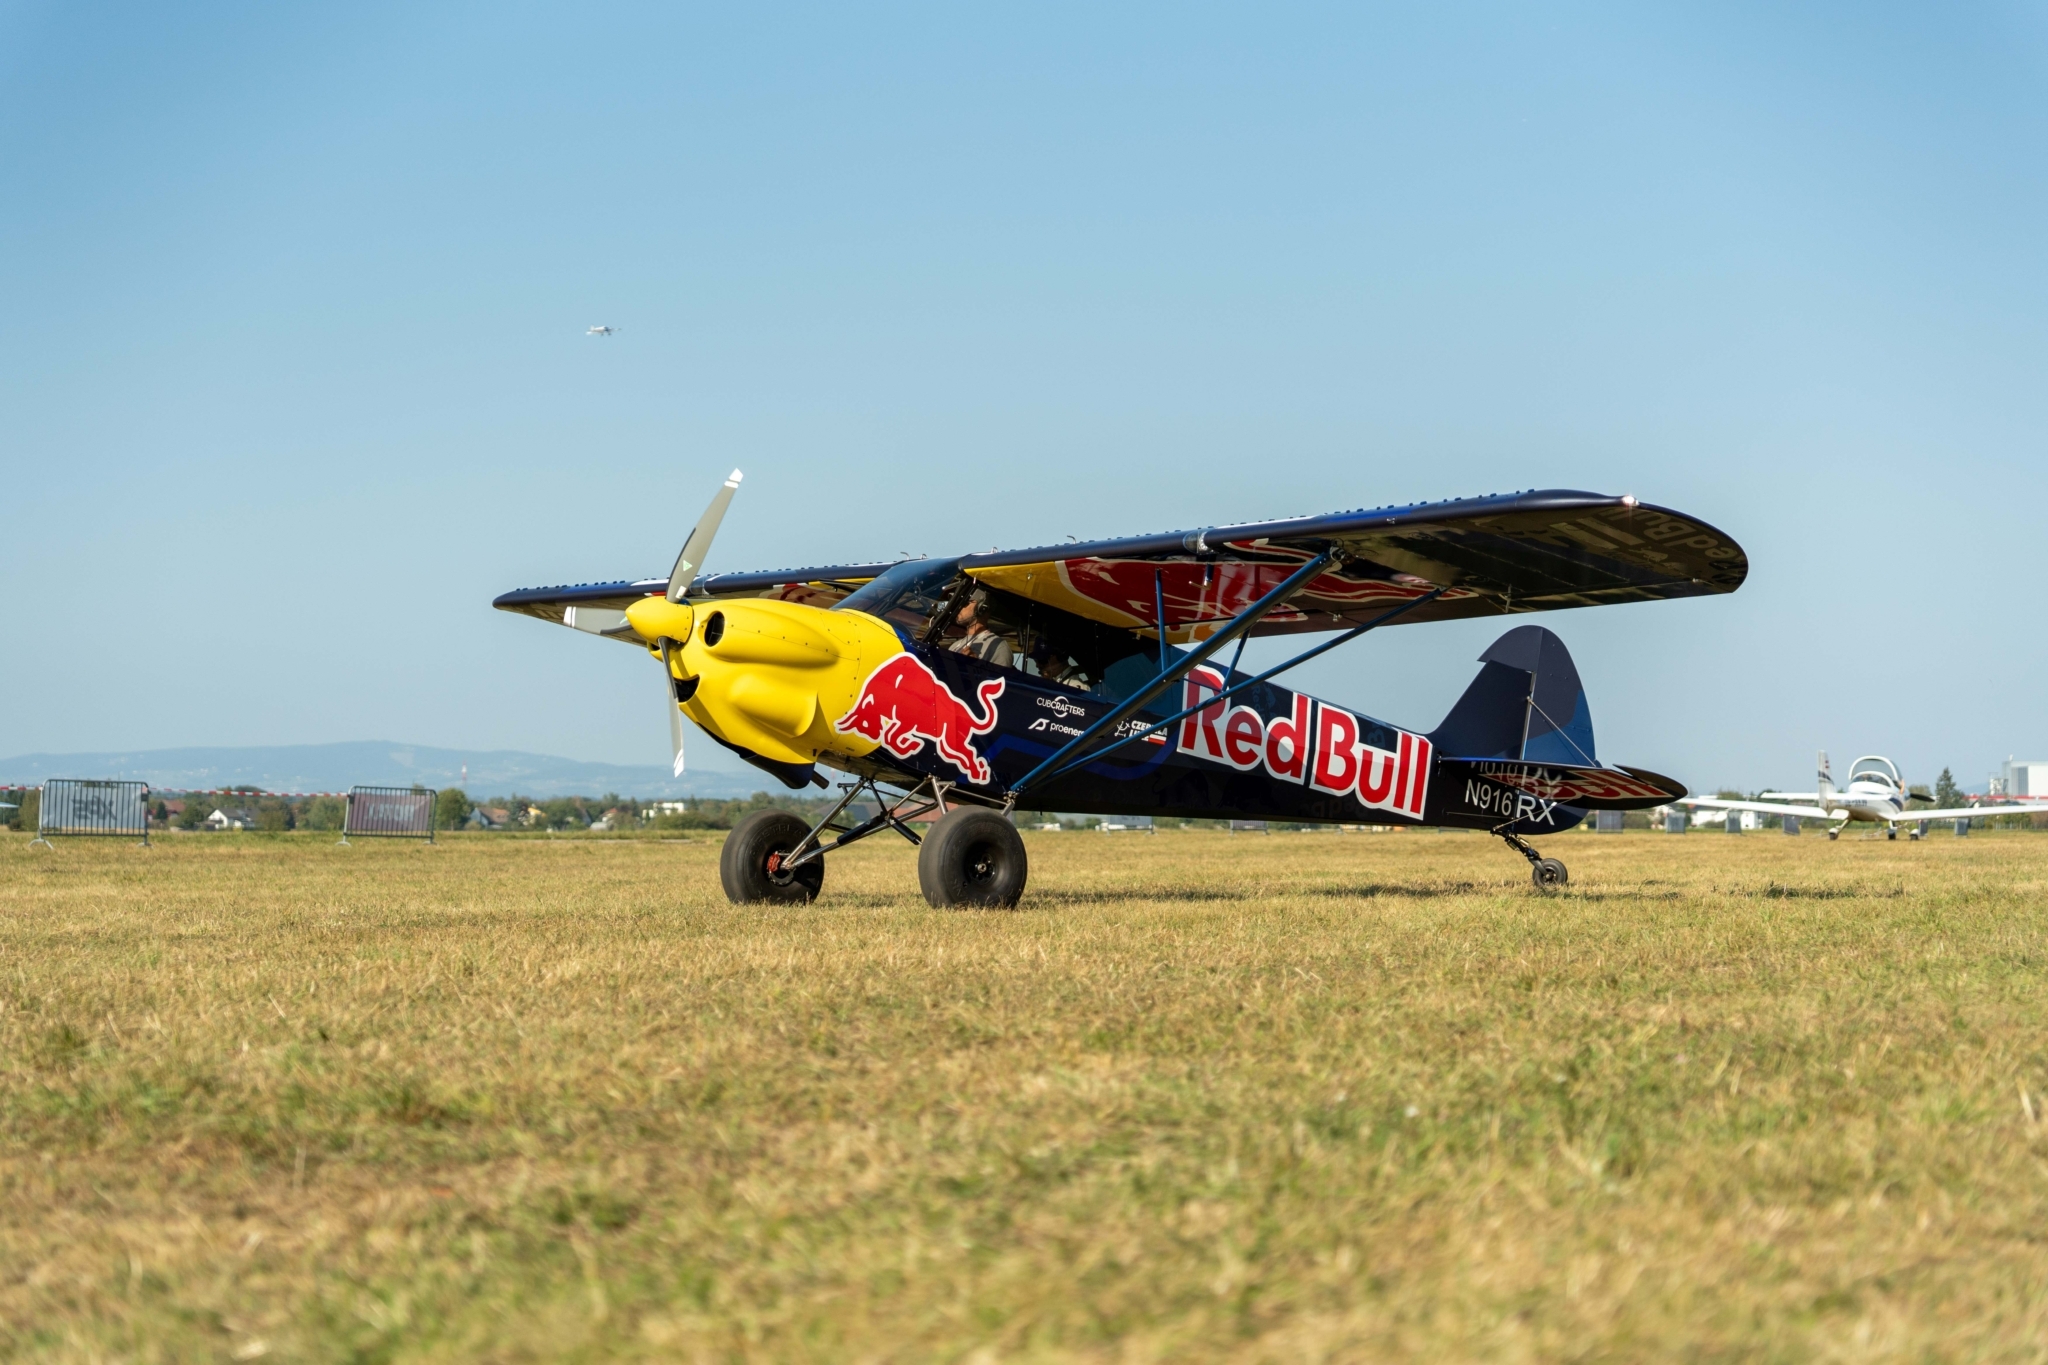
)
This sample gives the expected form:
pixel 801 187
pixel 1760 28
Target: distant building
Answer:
pixel 1729 819
pixel 490 817
pixel 231 819
pixel 2022 777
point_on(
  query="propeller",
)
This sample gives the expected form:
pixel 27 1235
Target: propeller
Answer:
pixel 699 543
pixel 675 709
pixel 695 550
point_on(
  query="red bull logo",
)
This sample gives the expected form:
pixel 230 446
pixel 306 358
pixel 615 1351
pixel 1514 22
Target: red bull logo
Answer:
pixel 903 704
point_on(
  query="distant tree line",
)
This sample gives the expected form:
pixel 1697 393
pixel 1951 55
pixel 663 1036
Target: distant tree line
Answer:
pixel 619 812
pixel 254 808
pixel 453 808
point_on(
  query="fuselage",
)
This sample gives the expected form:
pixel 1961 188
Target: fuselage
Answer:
pixel 1874 802
pixel 791 686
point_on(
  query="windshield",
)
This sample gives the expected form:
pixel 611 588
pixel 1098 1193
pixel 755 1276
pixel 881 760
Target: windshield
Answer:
pixel 908 595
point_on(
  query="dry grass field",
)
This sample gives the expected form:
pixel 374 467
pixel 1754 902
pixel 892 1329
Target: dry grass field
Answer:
pixel 1283 1098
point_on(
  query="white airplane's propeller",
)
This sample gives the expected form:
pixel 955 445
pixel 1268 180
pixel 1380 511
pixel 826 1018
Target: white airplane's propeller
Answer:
pixel 694 551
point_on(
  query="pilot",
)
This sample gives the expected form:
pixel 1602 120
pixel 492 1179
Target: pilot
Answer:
pixel 981 640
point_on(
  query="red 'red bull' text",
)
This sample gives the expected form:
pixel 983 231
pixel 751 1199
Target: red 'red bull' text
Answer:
pixel 1315 744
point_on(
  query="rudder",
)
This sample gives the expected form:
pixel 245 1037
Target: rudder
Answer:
pixel 1527 703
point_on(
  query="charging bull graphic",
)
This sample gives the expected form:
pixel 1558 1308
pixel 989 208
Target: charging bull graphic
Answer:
pixel 903 704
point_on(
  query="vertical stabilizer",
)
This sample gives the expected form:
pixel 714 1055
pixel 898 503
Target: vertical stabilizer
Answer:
pixel 1526 703
pixel 1825 783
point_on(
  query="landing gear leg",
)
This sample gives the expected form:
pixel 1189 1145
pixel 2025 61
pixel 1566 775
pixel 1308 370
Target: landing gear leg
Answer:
pixel 780 860
pixel 1547 873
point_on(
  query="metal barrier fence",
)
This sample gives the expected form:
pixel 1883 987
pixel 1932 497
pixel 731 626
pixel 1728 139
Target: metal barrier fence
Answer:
pixel 390 813
pixel 77 807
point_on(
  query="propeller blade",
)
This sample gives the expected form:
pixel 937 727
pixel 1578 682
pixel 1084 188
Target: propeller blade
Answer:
pixel 675 712
pixel 699 543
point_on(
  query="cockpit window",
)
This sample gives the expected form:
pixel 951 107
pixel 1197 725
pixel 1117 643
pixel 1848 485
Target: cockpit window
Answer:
pixel 1067 651
pixel 908 595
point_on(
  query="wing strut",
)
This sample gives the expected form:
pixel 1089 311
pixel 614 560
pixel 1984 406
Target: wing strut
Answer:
pixel 1159 614
pixel 1239 624
pixel 1227 692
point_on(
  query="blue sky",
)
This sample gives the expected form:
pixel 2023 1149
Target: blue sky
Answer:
pixel 293 377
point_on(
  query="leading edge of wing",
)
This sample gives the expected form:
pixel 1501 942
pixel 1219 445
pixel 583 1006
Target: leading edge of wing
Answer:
pixel 1767 807
pixel 548 603
pixel 1512 553
pixel 1330 526
pixel 1905 817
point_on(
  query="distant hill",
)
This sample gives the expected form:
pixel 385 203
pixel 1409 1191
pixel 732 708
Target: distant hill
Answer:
pixel 337 767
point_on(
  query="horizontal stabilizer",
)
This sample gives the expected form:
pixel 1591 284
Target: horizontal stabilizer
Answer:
pixel 1572 784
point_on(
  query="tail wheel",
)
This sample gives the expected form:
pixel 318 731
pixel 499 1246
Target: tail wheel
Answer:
pixel 972 857
pixel 750 864
pixel 1548 874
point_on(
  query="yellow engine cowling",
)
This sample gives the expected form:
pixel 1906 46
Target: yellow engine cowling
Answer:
pixel 775 675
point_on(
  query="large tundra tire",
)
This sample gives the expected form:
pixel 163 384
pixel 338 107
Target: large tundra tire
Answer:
pixel 972 857
pixel 750 865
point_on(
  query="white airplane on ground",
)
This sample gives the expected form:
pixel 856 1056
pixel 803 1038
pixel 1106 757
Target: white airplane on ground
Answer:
pixel 602 331
pixel 1876 794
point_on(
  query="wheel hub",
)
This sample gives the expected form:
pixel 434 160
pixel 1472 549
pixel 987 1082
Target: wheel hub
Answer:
pixel 981 864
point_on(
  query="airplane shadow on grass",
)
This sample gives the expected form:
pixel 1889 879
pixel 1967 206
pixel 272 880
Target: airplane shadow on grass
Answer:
pixel 1053 900
pixel 1774 892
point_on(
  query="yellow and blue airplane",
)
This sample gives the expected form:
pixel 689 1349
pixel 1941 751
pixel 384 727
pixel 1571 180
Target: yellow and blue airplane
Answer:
pixel 1091 678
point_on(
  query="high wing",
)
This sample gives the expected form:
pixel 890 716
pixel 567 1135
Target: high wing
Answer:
pixel 1536 551
pixel 600 608
pixel 1492 556
pixel 1767 807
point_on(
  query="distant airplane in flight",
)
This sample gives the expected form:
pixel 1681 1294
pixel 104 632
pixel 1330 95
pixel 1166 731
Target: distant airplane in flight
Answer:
pixel 601 331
